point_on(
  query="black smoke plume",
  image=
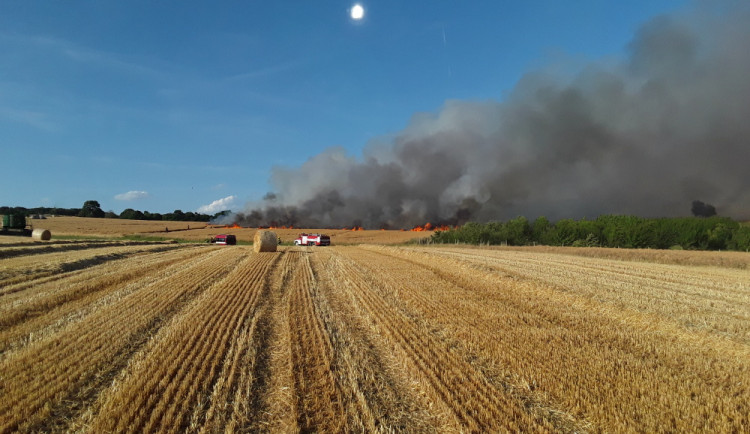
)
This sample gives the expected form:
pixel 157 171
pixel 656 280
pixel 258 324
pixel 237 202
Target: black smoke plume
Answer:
pixel 669 123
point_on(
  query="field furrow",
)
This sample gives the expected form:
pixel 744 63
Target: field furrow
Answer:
pixel 14 272
pixel 689 258
pixel 62 246
pixel 46 298
pixel 171 383
pixel 607 365
pixel 463 391
pixel 109 337
pixel 377 396
pixel 319 401
pixel 48 374
pixel 44 323
pixel 714 300
pixel 274 406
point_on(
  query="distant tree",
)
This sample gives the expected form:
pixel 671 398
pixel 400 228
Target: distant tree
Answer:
pixel 15 210
pixel 566 231
pixel 177 215
pixel 539 229
pixel 471 232
pixel 127 213
pixel 714 233
pixel 151 216
pixel 700 209
pixel 741 239
pixel 220 214
pixel 518 231
pixel 131 214
pixel 110 215
pixel 719 237
pixel 91 208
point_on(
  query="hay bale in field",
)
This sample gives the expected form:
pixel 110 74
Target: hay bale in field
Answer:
pixel 265 241
pixel 41 235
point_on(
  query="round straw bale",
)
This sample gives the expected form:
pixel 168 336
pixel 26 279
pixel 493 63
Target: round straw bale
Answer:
pixel 41 234
pixel 265 241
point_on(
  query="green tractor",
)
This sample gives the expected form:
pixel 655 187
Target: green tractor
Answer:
pixel 15 224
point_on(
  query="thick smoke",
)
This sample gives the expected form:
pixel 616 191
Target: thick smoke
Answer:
pixel 668 125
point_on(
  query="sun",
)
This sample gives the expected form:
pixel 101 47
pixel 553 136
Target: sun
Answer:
pixel 357 12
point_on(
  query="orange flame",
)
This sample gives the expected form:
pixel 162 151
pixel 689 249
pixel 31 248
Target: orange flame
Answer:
pixel 431 227
pixel 426 227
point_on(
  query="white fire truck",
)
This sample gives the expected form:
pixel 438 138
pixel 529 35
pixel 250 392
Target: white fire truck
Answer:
pixel 312 240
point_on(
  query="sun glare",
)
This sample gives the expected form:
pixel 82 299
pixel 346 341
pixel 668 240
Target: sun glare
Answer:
pixel 357 12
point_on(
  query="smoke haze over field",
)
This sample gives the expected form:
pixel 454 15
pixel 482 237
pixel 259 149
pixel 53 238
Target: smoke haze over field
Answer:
pixel 668 125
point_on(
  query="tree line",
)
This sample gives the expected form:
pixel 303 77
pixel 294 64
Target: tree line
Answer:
pixel 92 208
pixel 699 233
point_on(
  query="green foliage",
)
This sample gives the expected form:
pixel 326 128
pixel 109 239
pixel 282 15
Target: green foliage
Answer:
pixel 177 215
pixel 712 233
pixel 39 210
pixel 590 241
pixel 719 237
pixel 540 228
pixel 131 214
pixel 91 208
pixel 518 231
pixel 740 239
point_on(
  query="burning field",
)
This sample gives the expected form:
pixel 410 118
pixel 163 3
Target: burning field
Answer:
pixel 645 134
pixel 199 231
pixel 102 336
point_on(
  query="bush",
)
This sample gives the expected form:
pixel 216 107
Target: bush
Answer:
pixel 716 233
pixel 740 239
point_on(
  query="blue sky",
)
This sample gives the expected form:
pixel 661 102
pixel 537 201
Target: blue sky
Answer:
pixel 175 105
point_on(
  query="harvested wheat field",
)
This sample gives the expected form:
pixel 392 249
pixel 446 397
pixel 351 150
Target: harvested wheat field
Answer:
pixel 89 226
pixel 62 226
pixel 109 337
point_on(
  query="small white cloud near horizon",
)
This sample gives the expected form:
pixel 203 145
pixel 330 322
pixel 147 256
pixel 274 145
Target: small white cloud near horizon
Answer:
pixel 218 205
pixel 132 195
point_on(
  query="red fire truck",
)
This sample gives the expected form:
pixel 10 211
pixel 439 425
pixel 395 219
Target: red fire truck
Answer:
pixel 225 239
pixel 312 240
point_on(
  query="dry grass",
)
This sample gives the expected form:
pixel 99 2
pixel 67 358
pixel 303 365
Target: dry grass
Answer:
pixel 64 225
pixel 174 382
pixel 15 239
pixel 199 231
pixel 677 257
pixel 607 344
pixel 101 337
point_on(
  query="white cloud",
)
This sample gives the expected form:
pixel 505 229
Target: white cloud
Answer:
pixel 217 205
pixel 132 195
